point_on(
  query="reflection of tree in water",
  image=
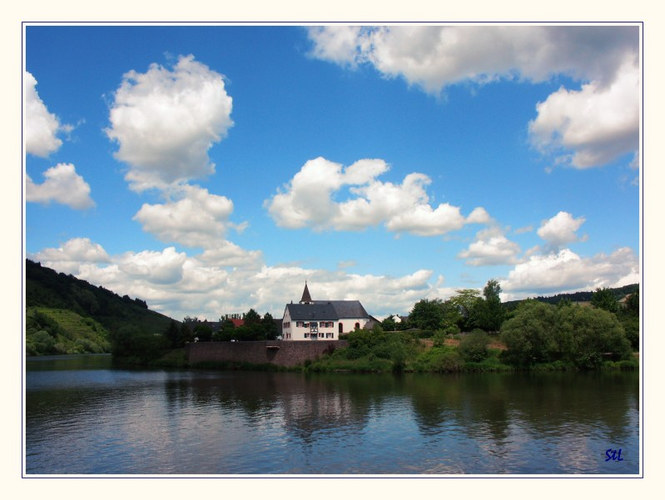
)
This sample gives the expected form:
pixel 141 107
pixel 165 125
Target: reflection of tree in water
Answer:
pixel 554 403
pixel 323 404
pixel 487 405
pixel 255 394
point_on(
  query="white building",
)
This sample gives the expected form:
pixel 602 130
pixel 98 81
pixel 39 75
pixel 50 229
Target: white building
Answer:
pixel 323 319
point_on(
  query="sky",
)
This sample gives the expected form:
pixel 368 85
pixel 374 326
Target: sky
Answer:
pixel 210 169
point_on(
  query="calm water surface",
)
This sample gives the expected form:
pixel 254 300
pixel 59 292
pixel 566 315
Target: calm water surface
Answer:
pixel 84 417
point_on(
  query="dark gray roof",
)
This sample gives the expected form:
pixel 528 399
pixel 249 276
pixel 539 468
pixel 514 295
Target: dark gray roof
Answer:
pixel 320 310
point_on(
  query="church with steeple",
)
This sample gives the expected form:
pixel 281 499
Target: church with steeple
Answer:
pixel 323 319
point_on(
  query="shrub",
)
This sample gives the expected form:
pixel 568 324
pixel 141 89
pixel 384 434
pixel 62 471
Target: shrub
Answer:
pixel 473 347
pixel 583 336
pixel 450 362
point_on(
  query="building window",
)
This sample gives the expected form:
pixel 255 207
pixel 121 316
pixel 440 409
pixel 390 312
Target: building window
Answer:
pixel 357 326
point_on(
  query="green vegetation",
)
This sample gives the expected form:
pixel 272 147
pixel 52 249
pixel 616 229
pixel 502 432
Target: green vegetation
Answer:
pixel 580 336
pixel 59 331
pixel 468 332
pixel 533 335
pixel 65 315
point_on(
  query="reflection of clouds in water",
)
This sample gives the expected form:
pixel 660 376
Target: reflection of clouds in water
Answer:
pixel 286 423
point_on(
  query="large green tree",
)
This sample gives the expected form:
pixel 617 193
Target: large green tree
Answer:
pixel 466 302
pixel 604 298
pixel 427 314
pixel 489 312
pixel 575 334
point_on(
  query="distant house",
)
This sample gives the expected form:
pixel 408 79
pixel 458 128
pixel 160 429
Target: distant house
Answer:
pixel 323 319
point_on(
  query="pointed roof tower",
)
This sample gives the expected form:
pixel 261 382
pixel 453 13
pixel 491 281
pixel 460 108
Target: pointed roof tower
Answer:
pixel 306 297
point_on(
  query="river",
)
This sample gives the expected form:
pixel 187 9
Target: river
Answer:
pixel 83 417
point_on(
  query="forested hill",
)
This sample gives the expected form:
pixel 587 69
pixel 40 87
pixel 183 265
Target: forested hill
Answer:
pixel 75 313
pixel 619 294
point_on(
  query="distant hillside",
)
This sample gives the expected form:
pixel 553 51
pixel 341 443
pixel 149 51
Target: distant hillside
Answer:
pixel 67 315
pixel 619 293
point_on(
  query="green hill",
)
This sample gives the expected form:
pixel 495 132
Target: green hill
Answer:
pixel 619 293
pixel 66 315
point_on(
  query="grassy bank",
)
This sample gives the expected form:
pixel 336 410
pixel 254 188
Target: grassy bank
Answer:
pixel 391 352
pixel 475 352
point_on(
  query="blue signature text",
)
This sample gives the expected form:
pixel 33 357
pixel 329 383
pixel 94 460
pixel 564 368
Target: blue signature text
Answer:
pixel 613 455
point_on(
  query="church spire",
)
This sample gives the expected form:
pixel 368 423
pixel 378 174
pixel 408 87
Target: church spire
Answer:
pixel 306 297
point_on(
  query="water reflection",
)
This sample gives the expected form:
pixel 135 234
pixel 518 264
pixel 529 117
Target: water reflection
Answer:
pixel 124 422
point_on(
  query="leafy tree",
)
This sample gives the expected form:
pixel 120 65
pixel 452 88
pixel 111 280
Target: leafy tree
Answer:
pixel 270 330
pixel 389 324
pixel 203 331
pixel 604 298
pixel 251 317
pixel 633 304
pixel 226 331
pixel 489 312
pixel 529 334
pixel 473 346
pixel 186 332
pixel 579 335
pixel 427 314
pixel 630 319
pixel 130 342
pixel 173 335
pixel 590 335
pixel 466 302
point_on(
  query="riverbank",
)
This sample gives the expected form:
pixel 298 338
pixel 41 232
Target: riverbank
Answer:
pixel 412 355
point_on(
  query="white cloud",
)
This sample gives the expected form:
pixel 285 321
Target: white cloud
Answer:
pixel 595 124
pixel 193 218
pixel 163 268
pixel 560 229
pixel 71 255
pixel 165 121
pixel 41 126
pixel 434 57
pixel 309 200
pixel 491 247
pixel 582 128
pixel 228 280
pixel 565 271
pixel 228 254
pixel 62 185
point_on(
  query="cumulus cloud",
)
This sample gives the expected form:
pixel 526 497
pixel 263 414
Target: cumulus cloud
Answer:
pixel 164 268
pixel 165 121
pixel 62 185
pixel 566 271
pixel 596 124
pixel 309 200
pixel 560 229
pixel 41 126
pixel 71 255
pixel 206 286
pixel 491 247
pixel 193 217
pixel 583 127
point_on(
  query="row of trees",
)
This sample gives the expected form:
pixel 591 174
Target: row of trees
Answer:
pixel 254 327
pixel 465 311
pixel 534 331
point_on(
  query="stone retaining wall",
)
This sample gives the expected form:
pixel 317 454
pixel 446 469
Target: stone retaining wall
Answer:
pixel 282 353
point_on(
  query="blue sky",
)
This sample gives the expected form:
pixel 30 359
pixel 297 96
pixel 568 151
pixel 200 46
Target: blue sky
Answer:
pixel 213 169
